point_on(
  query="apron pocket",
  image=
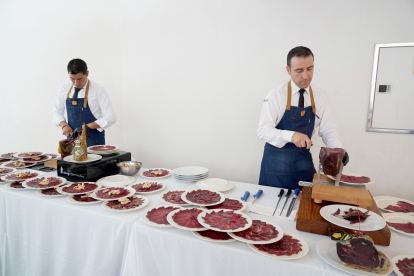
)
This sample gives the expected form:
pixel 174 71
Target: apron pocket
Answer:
pixel 278 161
pixel 301 124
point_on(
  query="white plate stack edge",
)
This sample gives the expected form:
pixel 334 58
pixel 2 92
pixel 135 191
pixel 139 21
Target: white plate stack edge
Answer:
pixel 190 173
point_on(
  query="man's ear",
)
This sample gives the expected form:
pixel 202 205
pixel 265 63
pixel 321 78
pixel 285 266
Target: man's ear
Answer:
pixel 87 73
pixel 288 69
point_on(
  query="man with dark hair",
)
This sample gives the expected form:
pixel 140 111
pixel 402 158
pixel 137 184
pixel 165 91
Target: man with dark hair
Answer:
pixel 85 102
pixel 290 115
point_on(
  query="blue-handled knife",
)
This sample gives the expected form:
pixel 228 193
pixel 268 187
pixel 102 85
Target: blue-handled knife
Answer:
pixel 257 195
pixel 292 203
pixel 246 196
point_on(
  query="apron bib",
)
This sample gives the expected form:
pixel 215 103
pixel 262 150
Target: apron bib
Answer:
pixel 285 167
pixel 78 112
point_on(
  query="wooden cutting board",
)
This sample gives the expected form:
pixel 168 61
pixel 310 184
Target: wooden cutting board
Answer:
pixel 310 220
pixel 51 164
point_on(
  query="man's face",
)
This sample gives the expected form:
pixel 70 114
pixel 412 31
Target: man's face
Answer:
pixel 79 80
pixel 301 70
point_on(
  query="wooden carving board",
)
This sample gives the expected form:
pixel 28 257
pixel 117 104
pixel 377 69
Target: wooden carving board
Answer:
pixel 341 194
pixel 51 164
pixel 310 220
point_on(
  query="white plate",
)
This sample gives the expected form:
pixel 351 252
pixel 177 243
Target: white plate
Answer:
pixel 400 258
pixel 48 157
pixel 197 234
pixel 151 192
pixel 8 186
pixel 241 201
pixel 12 171
pixel 117 180
pixel 18 153
pixel 190 171
pixel 326 249
pixel 202 215
pixel 189 180
pixel 141 173
pixel 53 158
pixel 106 152
pixel 3 165
pixel 279 236
pixel 39 192
pixel 3 157
pixel 372 223
pixel 384 201
pixel 131 193
pixel 169 203
pixel 24 171
pixel 145 203
pixel 91 158
pixel 190 176
pixel 147 221
pixel 200 185
pixel 60 190
pixel 183 195
pixel 372 181
pixel 70 199
pixel 173 223
pixel 28 187
pixel 305 249
pixel 399 218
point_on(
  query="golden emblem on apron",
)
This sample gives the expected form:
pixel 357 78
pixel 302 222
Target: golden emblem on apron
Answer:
pixel 303 112
pixel 74 102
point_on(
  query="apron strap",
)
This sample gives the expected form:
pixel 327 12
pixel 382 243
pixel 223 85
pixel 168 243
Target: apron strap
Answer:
pixel 85 102
pixel 70 89
pixel 289 98
pixel 312 102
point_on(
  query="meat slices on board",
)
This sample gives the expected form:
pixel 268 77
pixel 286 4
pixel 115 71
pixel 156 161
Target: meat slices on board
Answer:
pixel 225 220
pixel 406 266
pixel 355 179
pixel 287 246
pixel 258 231
pixel 353 215
pixel 203 197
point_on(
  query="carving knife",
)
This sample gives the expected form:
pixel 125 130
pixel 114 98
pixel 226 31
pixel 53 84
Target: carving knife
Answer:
pixel 292 203
pixel 256 196
pixel 246 196
pixel 287 198
pixel 280 197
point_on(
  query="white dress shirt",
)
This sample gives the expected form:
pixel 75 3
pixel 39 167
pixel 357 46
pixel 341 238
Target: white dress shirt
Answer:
pixel 273 109
pixel 98 102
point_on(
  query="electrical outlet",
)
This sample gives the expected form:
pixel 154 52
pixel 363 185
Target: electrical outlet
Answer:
pixel 384 88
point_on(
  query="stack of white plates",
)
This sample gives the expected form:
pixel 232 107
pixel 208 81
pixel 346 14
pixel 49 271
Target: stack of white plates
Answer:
pixel 190 173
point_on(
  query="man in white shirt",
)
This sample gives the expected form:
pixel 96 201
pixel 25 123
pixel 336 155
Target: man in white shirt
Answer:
pixel 84 102
pixel 290 115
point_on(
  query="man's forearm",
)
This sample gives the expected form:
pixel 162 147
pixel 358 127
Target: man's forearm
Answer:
pixel 62 123
pixel 93 125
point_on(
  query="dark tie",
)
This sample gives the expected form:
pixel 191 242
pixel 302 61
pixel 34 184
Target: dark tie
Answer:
pixel 75 96
pixel 301 98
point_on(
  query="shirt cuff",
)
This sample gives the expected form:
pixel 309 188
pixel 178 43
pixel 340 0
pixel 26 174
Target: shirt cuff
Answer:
pixel 287 136
pixel 102 123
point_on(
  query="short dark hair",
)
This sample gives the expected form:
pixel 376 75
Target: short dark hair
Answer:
pixel 76 66
pixel 299 51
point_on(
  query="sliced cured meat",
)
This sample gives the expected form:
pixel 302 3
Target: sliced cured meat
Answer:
pixel 4 160
pixel 360 253
pixel 402 207
pixel 228 204
pixel 174 197
pixel 355 179
pixel 406 266
pixel 159 215
pixel 29 154
pixel 102 148
pixel 225 220
pixel 331 160
pixel 147 187
pixel 51 192
pixel 18 164
pixel 84 198
pixel 215 235
pixel 8 155
pixel 188 218
pixel 44 182
pixel 4 171
pixel 126 203
pixel 405 227
pixel 203 197
pixel 287 246
pixel 259 231
pixel 337 212
pixel 353 215
pixel 156 173
pixel 17 185
pixel 21 175
pixel 112 193
pixel 36 159
pixel 81 187
pixel 52 155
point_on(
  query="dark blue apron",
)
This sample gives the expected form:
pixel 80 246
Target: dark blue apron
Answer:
pixel 78 112
pixel 285 167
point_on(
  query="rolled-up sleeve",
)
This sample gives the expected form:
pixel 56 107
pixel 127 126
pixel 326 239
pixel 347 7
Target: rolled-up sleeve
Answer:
pixel 108 112
pixel 59 109
pixel 327 128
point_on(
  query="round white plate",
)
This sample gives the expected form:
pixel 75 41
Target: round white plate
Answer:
pixel 141 173
pixel 384 201
pixel 117 180
pixel 39 192
pixel 326 249
pixel 5 157
pixel 193 177
pixel 60 190
pixel 30 164
pixel 279 236
pixel 372 223
pixel 131 193
pixel 197 234
pixel 190 171
pixel 305 249
pixel 202 215
pixel 60 184
pixel 8 186
pixel 48 157
pixel 91 158
pixel 70 199
pixel 189 180
pixel 52 157
pixel 372 181
pixel 104 152
pixel 400 258
pixel 147 221
pixel 145 203
pixel 17 155
pixel 183 195
pixel 399 218
pixel 241 201
pixel 200 184
pixel 173 223
pixel 151 192
pixel 12 171
pixel 169 203
pixel 24 171
pixel 190 176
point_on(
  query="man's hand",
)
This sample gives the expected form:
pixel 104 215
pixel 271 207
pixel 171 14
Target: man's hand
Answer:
pixel 67 130
pixel 79 130
pixel 301 140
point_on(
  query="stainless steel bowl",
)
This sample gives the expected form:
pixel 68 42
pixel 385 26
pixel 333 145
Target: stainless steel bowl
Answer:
pixel 132 170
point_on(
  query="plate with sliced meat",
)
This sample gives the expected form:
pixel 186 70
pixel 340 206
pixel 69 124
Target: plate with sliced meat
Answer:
pixel 228 204
pixel 148 187
pixel 202 197
pixel 2 160
pixel 41 158
pixel 395 204
pixel 21 175
pixel 53 156
pixel 51 192
pixel 44 182
pixel 224 220
pixel 103 149
pixel 113 193
pixel 260 232
pixel 289 247
pixel 157 216
pixel 404 265
pixel 352 217
pixel 213 236
pixel 28 154
pixel 173 197
pixel 4 171
pixel 9 155
pixel 354 179
pixel 79 188
pixel 155 173
pixel 186 219
pixel 17 164
pixel 126 204
pixel 400 223
pixel 82 199
pixel 17 185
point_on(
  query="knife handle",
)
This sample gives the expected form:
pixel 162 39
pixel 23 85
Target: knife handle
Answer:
pixel 281 192
pixel 296 192
pixel 258 194
pixel 246 196
pixel 288 193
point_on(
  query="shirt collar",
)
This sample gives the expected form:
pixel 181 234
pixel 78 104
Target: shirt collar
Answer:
pixel 88 81
pixel 295 88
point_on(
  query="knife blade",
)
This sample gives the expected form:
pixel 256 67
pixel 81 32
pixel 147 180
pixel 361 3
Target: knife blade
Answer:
pixel 280 197
pixel 292 203
pixel 287 198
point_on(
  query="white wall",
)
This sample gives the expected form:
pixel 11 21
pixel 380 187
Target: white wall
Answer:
pixel 193 75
